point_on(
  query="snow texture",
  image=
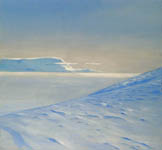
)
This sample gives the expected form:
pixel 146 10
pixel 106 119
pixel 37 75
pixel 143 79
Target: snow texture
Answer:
pixel 37 65
pixel 124 116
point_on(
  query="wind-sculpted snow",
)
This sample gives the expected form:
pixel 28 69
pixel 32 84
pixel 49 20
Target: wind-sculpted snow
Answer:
pixel 37 65
pixel 125 116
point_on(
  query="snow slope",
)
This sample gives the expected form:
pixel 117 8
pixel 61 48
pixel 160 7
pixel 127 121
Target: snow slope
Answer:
pixel 37 65
pixel 125 116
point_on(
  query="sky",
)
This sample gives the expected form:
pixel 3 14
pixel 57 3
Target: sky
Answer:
pixel 113 36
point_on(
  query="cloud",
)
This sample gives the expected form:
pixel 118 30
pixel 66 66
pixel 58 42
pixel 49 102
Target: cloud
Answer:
pixel 93 63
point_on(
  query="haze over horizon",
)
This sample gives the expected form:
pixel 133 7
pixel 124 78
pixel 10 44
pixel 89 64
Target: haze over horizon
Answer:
pixel 106 35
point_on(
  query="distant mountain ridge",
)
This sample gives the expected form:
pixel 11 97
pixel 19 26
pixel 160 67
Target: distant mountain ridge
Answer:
pixel 37 65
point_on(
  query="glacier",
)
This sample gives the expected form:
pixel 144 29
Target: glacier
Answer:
pixel 124 116
pixel 43 64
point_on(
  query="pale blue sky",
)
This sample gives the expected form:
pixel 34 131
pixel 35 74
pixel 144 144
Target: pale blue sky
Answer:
pixel 121 35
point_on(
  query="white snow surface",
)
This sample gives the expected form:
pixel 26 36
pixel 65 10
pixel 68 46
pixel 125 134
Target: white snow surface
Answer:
pixel 24 90
pixel 124 116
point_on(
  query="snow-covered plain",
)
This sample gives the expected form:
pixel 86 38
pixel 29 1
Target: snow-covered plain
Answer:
pixel 124 116
pixel 28 90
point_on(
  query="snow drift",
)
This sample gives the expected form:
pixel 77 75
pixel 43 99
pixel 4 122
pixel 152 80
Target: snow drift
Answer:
pixel 125 116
